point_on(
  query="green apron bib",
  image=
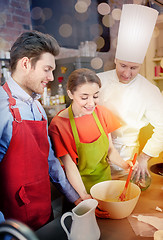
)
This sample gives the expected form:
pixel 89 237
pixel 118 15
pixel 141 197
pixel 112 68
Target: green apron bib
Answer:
pixel 92 163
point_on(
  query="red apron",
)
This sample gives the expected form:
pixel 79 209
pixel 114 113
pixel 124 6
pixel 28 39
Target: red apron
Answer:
pixel 25 193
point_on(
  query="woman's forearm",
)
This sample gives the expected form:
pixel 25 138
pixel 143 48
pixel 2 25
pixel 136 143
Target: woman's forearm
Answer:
pixel 73 176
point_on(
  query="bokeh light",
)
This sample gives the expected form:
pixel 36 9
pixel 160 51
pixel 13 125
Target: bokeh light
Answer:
pixel 100 42
pixel 36 13
pixel 81 6
pixel 88 2
pixel 108 21
pixel 116 14
pixel 96 63
pixel 47 13
pixel 103 8
pixel 65 30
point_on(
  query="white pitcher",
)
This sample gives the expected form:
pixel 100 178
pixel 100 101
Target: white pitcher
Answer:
pixel 84 225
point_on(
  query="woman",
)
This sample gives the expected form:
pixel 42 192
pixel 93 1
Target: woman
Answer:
pixel 81 134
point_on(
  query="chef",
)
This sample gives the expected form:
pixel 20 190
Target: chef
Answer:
pixel 130 96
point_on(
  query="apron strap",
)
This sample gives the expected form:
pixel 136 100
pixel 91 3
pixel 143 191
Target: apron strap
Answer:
pixel 74 129
pixel 98 123
pixel 44 119
pixel 12 102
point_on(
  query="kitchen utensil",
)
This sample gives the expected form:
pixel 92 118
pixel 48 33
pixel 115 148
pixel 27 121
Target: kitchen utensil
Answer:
pixel 84 225
pixel 107 194
pixel 123 194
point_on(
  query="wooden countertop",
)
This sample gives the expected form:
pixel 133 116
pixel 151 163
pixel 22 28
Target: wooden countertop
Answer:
pixel 116 229
pixel 147 203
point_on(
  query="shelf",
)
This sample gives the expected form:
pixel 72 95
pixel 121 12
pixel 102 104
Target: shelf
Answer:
pixel 157 59
pixel 157 78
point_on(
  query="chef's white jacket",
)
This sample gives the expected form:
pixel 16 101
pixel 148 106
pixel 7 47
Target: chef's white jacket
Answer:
pixel 136 104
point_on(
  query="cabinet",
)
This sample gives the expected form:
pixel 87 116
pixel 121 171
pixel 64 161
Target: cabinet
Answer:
pixel 154 55
pixel 157 61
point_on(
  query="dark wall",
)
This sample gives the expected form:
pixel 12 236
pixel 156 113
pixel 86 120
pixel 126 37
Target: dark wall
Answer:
pixel 82 24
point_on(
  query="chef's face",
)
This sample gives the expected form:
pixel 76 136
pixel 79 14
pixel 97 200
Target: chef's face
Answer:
pixel 85 98
pixel 38 76
pixel 126 71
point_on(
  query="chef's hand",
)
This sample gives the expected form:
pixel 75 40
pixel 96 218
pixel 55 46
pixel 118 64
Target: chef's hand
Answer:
pixel 141 168
pixel 100 213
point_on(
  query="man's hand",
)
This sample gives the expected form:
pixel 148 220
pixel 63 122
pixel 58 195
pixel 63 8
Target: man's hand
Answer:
pixel 141 168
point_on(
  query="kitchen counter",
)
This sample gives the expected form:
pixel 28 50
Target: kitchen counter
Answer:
pixel 116 229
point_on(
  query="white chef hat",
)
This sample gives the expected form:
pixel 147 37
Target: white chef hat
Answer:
pixel 135 31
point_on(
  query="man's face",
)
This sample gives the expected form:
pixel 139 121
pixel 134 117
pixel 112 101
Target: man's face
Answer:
pixel 126 71
pixel 39 75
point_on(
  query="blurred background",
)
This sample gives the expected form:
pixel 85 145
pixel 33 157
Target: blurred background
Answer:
pixel 86 31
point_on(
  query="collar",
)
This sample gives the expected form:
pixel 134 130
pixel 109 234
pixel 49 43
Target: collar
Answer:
pixel 19 93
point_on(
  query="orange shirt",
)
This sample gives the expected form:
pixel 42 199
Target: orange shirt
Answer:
pixel 62 137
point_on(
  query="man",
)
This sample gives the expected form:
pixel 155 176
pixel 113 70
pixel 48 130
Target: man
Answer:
pixel 132 98
pixel 26 157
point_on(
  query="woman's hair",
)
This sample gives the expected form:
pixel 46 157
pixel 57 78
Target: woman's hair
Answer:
pixel 81 76
pixel 32 44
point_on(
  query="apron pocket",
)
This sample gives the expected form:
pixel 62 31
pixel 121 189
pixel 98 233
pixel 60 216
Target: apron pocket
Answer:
pixel 23 196
pixel 37 202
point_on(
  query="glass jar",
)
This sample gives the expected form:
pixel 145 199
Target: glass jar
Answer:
pixel 142 183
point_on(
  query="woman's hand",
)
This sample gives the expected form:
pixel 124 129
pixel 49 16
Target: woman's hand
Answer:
pixel 127 164
pixel 101 214
pixel 79 200
pixel 86 196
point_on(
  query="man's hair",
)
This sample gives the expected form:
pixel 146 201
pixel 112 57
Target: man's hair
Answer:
pixel 32 44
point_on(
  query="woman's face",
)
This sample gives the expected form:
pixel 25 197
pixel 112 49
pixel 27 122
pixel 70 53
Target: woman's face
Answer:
pixel 85 98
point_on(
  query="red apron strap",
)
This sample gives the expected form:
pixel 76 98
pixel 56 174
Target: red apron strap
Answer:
pixel 40 112
pixel 12 102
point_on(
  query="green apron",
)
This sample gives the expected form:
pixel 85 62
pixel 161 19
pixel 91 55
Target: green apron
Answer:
pixel 92 163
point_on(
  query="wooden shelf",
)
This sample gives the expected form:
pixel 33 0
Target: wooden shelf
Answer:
pixel 157 59
pixel 157 78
